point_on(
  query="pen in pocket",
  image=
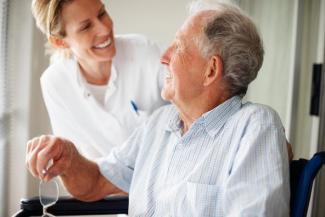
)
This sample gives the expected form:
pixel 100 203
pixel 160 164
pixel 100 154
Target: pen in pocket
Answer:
pixel 134 107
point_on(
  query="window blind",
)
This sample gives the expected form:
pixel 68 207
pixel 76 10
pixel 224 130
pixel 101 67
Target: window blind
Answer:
pixel 4 104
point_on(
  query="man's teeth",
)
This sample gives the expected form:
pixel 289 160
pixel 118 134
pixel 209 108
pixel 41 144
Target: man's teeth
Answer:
pixel 104 44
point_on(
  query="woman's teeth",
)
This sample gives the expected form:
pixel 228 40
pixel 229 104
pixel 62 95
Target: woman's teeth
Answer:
pixel 104 44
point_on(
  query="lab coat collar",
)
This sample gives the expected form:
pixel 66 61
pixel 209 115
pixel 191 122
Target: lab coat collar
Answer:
pixel 81 81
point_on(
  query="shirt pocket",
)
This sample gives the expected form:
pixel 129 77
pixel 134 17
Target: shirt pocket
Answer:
pixel 202 199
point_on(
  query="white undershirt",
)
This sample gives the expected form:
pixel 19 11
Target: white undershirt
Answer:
pixel 98 91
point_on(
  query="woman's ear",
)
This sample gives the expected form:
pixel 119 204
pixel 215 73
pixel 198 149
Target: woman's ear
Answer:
pixel 214 70
pixel 57 42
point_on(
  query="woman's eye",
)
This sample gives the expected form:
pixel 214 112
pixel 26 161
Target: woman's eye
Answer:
pixel 85 27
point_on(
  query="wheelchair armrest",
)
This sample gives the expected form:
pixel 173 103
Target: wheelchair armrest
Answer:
pixel 72 206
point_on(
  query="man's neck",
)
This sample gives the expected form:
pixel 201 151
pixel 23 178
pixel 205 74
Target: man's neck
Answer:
pixel 191 111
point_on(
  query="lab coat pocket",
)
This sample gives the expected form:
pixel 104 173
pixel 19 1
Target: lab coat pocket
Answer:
pixel 202 199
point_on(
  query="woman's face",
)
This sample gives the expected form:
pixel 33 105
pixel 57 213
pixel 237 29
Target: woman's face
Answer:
pixel 89 30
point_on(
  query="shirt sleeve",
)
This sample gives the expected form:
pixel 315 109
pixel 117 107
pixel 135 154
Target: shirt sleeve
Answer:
pixel 258 182
pixel 118 166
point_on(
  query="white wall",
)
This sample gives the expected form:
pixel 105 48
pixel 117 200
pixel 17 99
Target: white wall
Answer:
pixel 26 62
pixel 159 20
pixel 312 45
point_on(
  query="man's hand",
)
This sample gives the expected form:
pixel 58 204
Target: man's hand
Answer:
pixel 41 150
pixel 290 151
pixel 80 176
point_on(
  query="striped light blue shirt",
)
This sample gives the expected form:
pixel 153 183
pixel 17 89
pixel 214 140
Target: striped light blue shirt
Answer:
pixel 232 162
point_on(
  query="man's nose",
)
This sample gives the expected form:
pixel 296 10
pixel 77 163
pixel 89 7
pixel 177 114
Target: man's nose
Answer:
pixel 165 57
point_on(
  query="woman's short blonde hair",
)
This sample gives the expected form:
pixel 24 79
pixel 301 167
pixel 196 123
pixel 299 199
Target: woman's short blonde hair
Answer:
pixel 47 14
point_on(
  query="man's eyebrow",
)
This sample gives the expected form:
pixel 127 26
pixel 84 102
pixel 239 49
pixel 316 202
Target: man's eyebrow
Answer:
pixel 177 36
pixel 177 39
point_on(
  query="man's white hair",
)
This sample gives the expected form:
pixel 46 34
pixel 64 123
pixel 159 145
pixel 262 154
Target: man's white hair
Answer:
pixel 232 35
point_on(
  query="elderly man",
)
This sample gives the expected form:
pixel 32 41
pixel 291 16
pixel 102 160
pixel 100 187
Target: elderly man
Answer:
pixel 207 154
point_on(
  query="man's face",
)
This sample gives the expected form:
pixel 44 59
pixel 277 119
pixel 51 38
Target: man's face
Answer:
pixel 186 66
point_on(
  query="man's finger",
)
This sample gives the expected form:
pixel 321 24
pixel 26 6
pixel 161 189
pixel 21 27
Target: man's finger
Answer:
pixel 46 154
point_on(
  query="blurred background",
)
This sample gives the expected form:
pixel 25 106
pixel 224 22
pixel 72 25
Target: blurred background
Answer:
pixel 293 32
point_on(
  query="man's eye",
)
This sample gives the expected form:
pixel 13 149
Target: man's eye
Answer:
pixel 101 14
pixel 178 48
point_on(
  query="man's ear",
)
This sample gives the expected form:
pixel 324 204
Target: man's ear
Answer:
pixel 214 70
pixel 57 42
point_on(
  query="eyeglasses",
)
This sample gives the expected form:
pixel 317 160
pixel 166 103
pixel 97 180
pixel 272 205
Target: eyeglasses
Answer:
pixel 48 194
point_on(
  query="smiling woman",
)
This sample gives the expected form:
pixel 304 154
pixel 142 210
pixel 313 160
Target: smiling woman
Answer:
pixel 88 94
pixel 88 34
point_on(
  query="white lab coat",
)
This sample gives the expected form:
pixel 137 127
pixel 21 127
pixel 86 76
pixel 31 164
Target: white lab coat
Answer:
pixel 96 127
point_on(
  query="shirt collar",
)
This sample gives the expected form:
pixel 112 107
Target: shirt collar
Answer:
pixel 81 81
pixel 174 122
pixel 215 119
pixel 212 120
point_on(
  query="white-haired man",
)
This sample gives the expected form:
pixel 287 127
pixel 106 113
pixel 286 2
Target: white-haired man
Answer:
pixel 206 154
